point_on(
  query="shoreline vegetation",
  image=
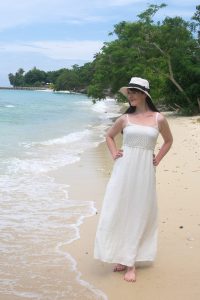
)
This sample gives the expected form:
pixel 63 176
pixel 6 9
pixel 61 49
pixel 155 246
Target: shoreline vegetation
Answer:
pixel 165 52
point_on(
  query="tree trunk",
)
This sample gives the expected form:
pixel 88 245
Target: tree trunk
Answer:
pixel 198 101
pixel 171 74
pixel 171 77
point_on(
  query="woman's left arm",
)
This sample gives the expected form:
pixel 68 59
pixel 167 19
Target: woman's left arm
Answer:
pixel 167 137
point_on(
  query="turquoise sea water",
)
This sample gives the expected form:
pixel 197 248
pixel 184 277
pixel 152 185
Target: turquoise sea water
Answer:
pixel 42 131
pixel 29 118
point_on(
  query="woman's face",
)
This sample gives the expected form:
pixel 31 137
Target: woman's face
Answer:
pixel 136 97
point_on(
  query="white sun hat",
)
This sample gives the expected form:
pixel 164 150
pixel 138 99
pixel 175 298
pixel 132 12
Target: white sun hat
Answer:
pixel 136 83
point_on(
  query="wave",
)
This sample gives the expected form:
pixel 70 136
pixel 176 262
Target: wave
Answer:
pixel 107 108
pixel 9 105
pixel 70 138
pixel 45 156
pixel 34 209
pixel 36 166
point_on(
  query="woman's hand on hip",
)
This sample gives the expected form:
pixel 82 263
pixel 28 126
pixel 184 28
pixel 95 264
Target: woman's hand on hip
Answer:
pixel 155 161
pixel 118 154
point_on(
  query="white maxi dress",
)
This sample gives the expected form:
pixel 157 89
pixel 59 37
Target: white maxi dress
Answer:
pixel 127 228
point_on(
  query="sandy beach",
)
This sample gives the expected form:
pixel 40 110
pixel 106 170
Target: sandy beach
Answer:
pixel 175 273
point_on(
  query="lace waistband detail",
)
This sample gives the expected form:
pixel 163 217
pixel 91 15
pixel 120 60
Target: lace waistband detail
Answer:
pixel 140 142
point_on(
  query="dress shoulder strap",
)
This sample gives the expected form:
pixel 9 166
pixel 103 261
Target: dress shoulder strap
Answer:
pixel 127 118
pixel 157 114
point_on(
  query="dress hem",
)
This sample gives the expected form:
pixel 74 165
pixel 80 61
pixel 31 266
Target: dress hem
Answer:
pixel 140 260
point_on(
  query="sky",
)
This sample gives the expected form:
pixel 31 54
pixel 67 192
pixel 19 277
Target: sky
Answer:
pixel 55 34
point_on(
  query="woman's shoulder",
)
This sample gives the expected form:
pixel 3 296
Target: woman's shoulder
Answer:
pixel 160 117
pixel 119 121
pixel 162 121
pixel 122 118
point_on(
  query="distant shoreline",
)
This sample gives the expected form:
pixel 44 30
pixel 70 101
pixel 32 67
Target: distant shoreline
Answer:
pixel 23 88
pixel 38 88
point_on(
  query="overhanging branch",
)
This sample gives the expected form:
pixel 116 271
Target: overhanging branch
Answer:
pixel 171 74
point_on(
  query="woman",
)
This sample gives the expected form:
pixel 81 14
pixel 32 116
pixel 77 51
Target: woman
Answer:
pixel 127 229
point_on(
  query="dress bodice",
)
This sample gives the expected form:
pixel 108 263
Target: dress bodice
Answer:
pixel 140 136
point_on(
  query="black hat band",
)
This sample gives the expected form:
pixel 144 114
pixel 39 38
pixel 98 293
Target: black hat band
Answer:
pixel 133 85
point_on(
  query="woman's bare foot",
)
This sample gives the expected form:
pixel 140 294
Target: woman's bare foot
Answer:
pixel 130 274
pixel 119 268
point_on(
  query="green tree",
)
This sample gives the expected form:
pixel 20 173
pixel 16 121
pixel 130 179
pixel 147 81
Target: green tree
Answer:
pixel 51 76
pixel 75 79
pixel 35 77
pixel 11 79
pixel 17 79
pixel 166 53
pixel 67 80
pixel 84 75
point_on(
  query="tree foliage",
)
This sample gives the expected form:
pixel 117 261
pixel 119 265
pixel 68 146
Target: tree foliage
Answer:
pixel 18 78
pixel 167 53
pixel 74 79
pixel 35 77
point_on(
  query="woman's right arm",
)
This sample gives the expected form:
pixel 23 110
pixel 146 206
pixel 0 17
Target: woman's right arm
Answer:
pixel 110 137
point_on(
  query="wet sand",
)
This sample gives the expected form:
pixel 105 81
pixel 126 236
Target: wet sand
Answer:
pixel 175 273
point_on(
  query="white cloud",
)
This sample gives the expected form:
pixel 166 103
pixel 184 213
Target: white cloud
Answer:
pixel 80 50
pixel 22 12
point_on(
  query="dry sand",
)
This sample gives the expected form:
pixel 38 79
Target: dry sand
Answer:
pixel 175 273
